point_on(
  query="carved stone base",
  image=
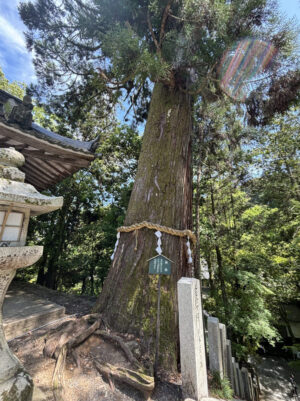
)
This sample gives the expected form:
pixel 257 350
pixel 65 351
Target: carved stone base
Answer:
pixel 15 382
pixel 18 388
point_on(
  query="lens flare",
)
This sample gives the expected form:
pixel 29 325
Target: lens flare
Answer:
pixel 245 60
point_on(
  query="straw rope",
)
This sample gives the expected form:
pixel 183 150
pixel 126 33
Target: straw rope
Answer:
pixel 158 227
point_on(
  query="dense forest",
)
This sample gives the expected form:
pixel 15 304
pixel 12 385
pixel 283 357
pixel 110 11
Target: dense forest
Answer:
pixel 234 164
pixel 246 215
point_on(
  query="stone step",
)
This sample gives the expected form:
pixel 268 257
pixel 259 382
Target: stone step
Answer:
pixel 24 311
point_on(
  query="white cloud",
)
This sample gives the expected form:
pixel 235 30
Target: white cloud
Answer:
pixel 15 60
pixel 3 63
pixel 11 36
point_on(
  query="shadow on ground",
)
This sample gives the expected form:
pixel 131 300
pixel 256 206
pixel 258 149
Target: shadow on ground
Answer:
pixel 274 374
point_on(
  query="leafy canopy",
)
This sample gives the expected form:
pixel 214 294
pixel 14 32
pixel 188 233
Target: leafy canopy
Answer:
pixel 87 48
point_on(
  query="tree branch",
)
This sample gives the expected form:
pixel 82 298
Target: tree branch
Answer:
pixel 163 22
pixel 184 19
pixel 80 45
pixel 152 33
pixel 116 85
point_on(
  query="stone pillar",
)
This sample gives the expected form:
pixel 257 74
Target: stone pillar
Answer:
pixel 251 387
pixel 246 381
pixel 192 342
pixel 214 345
pixel 241 383
pixel 235 379
pixel 223 339
pixel 229 362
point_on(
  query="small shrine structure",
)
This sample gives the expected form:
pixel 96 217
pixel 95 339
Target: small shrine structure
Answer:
pixel 31 159
pixel 49 157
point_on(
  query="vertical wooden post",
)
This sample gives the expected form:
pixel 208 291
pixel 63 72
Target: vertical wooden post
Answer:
pixel 157 328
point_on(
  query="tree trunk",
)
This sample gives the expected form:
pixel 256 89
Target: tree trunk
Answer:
pixel 219 257
pixel 41 272
pixel 197 217
pixel 210 271
pixel 59 237
pixel 162 194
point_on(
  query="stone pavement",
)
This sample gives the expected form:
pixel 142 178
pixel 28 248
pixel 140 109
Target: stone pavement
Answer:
pixel 274 376
pixel 24 311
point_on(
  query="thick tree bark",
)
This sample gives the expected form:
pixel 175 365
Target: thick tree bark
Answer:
pixel 162 194
pixel 197 217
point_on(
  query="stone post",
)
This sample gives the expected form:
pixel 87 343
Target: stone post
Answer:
pixel 223 339
pixel 214 345
pixel 241 383
pixel 251 387
pixel 235 379
pixel 229 362
pixel 246 381
pixel 192 342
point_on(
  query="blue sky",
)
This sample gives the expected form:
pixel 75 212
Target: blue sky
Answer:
pixel 16 62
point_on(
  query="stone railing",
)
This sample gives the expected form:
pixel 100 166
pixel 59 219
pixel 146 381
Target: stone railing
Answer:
pixel 244 383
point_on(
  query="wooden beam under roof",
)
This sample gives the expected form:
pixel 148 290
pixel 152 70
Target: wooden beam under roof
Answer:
pixel 26 138
pixel 33 167
pixel 3 140
pixel 45 163
pixel 38 183
pixel 33 172
pixel 38 154
pixel 60 168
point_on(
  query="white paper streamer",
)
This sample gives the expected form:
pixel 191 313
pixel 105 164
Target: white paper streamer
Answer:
pixel 189 251
pixel 158 249
pixel 116 246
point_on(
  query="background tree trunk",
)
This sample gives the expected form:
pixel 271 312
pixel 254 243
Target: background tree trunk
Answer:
pixel 162 194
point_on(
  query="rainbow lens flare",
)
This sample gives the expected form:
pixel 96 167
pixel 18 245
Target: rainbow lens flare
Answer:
pixel 245 60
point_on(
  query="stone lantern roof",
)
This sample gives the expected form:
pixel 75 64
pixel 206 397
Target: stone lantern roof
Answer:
pixel 13 190
pixel 49 157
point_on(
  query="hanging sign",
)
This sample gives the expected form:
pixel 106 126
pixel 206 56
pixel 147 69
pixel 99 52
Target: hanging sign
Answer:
pixel 160 265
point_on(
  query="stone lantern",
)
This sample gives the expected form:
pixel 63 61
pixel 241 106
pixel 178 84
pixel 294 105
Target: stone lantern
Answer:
pixel 18 201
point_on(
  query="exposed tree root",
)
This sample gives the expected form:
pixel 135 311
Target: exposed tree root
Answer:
pixel 64 339
pixel 58 375
pixel 69 335
pixel 118 340
pixel 137 380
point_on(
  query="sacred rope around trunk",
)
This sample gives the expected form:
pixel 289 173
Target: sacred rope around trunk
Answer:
pixel 158 227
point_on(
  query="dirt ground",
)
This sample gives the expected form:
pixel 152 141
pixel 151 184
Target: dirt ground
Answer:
pixel 83 383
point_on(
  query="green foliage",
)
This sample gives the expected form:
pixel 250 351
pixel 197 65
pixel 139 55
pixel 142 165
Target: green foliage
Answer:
pixel 295 365
pixel 220 387
pixel 89 55
pixel 248 200
pixel 79 239
pixel 15 88
pixel 95 202
pixel 294 348
pixel 89 52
